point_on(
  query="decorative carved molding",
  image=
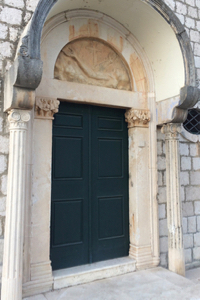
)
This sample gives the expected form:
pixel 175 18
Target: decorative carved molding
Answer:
pixel 45 108
pixel 90 61
pixel 137 117
pixel 18 118
pixel 171 131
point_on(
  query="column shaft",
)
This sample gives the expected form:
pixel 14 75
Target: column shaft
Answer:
pixel 174 212
pixel 14 227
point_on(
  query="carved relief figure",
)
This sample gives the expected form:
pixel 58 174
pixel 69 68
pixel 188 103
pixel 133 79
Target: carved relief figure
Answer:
pixel 92 62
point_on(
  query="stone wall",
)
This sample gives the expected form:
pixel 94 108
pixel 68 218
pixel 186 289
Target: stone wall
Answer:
pixel 190 197
pixel 14 15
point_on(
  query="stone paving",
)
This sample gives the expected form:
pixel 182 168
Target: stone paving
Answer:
pixel 152 284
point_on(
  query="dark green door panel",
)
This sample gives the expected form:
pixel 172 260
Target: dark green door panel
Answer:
pixel 89 220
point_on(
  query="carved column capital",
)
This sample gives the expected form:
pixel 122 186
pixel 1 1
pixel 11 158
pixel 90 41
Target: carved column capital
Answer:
pixel 171 130
pixel 137 117
pixel 18 118
pixel 45 108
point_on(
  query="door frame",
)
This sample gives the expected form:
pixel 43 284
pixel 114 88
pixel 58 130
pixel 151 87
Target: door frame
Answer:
pixel 141 118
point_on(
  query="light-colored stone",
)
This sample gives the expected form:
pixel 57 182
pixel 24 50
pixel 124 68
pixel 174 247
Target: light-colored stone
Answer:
pixel 197 58
pixel 181 8
pixel 192 12
pixel 170 3
pixel 184 178
pixel 176 258
pixel 196 253
pixel 188 255
pixel 197 239
pixel 160 178
pixel 163 260
pixel 1 124
pixel 3 31
pixel 185 163
pixel 196 163
pixel 190 2
pixel 184 225
pixel 192 193
pixel 194 147
pixel 14 227
pixel 11 15
pixel 5 49
pixel 15 3
pixel 188 241
pixel 13 34
pixel 3 184
pixel 195 178
pixel 162 211
pixel 92 272
pixel 197 207
pixel 163 244
pixel 184 149
pixel 198 223
pixel 161 163
pixel 4 144
pixel 159 148
pixel 192 226
pixel 163 227
pixel 162 197
pixel 3 163
pixel 188 209
pixel 31 4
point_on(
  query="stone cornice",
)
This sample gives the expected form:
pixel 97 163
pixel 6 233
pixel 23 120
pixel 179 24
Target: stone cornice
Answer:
pixel 45 108
pixel 137 117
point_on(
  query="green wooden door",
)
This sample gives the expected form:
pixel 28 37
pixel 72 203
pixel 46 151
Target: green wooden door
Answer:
pixel 89 219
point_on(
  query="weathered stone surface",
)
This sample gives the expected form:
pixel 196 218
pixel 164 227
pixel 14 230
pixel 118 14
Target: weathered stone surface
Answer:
pixel 196 253
pixel 11 15
pixel 162 211
pixel 197 239
pixel 96 64
pixel 188 255
pixel 188 209
pixel 188 240
pixel 192 224
pixel 184 178
pixel 162 195
pixel 185 163
pixel 3 163
pixel 192 193
pixel 184 149
pixel 3 184
pixel 163 227
pixel 194 147
pixel 196 163
pixel 163 244
pixel 184 221
pixel 197 207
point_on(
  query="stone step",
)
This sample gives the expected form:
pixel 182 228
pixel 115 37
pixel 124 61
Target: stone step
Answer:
pixel 91 272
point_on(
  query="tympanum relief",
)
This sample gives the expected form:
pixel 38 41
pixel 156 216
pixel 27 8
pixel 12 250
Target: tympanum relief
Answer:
pixel 92 62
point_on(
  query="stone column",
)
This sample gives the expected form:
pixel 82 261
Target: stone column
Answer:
pixel 174 211
pixel 14 227
pixel 139 188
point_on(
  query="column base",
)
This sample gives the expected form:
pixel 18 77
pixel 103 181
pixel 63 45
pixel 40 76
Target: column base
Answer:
pixel 11 289
pixel 41 279
pixel 176 261
pixel 143 257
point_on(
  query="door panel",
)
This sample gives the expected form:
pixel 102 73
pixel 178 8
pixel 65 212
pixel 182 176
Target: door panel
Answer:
pixel 89 185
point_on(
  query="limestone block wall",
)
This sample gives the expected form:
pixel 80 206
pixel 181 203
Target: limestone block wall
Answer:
pixel 190 197
pixel 14 15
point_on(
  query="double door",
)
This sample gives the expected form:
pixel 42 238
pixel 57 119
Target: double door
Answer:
pixel 89 211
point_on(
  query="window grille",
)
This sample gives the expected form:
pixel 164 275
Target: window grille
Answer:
pixel 192 123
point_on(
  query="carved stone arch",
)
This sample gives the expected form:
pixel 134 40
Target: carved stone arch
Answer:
pixel 93 61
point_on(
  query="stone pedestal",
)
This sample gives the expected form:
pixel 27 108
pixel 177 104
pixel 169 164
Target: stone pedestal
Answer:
pixel 14 227
pixel 174 210
pixel 139 188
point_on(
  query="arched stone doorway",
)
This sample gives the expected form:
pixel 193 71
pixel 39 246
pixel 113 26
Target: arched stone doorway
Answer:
pixel 148 85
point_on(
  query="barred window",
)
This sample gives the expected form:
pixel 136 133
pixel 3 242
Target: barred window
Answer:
pixel 192 123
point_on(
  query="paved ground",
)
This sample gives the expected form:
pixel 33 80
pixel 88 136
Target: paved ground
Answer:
pixel 153 284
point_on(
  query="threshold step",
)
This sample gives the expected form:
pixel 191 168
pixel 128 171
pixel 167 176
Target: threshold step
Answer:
pixel 91 272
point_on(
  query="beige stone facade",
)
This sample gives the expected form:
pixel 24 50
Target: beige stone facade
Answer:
pixel 140 56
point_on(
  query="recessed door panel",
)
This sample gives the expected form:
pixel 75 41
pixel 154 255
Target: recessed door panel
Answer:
pixel 89 185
